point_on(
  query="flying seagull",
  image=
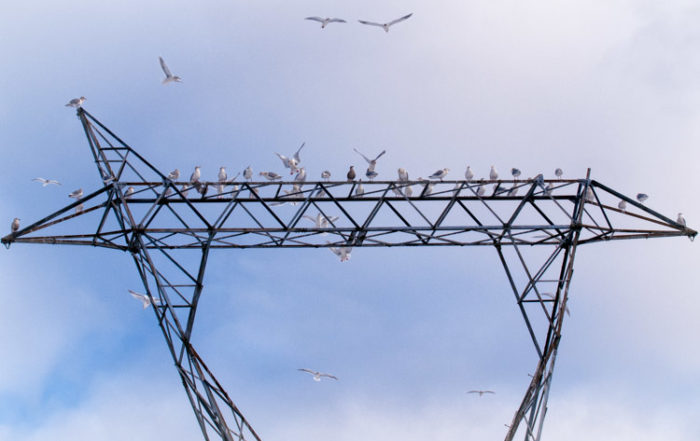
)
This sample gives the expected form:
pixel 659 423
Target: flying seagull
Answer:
pixel 386 26
pixel 641 197
pixel 143 299
pixel 321 221
pixel 351 173
pixel 481 392
pixel 76 102
pixel 318 375
pixel 324 21
pixel 301 175
pixel 45 182
pixel 342 252
pixel 169 77
pixel 372 162
pixel 15 225
pixel 440 174
pixel 77 194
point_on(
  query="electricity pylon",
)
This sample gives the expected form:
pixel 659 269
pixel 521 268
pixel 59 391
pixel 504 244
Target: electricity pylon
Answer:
pixel 169 226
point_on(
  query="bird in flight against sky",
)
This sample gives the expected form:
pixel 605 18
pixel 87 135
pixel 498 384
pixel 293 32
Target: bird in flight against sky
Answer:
pixel 324 21
pixel 386 26
pixel 169 77
pixel 317 375
pixel 45 182
pixel 481 392
pixel 144 299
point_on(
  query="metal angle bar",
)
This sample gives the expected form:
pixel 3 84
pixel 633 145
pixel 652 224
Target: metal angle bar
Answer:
pixel 362 233
pixel 404 220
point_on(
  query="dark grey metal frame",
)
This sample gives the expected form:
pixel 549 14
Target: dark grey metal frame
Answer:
pixel 158 220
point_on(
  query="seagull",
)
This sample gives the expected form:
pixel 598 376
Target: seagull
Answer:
pixel 440 174
pixel 76 102
pixel 77 194
pixel 386 26
pixel 372 162
pixel 196 174
pixel 516 173
pixel 480 191
pixel 144 299
pixel 351 173
pixel 590 196
pixel 481 392
pixel 622 205
pixel 493 174
pixel 428 189
pixel 174 175
pixel 680 219
pixel 326 175
pixel 15 225
pixel 222 174
pixel 45 182
pixel 469 174
pixel 169 77
pixel 558 173
pixel 513 191
pixel 371 174
pixel 301 175
pixel 321 221
pixel 248 173
pixel 270 176
pixel 548 190
pixel 408 190
pixel 318 375
pixel 129 191
pixel 641 197
pixel 360 190
pixel 403 175
pixel 202 188
pixel 79 209
pixel 184 190
pixel 324 21
pixel 342 252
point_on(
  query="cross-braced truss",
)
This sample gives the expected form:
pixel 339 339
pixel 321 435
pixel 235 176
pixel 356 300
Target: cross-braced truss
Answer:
pixel 534 224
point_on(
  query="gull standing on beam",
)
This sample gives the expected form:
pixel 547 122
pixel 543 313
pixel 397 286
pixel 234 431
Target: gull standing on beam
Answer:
pixel 196 174
pixel 558 173
pixel 680 219
pixel 317 375
pixel 144 299
pixel 248 173
pixel 324 21
pixel 169 77
pixel 372 162
pixel 45 182
pixel 403 175
pixel 493 174
pixel 516 173
pixel 351 173
pixel 174 175
pixel 642 197
pixel 440 174
pixel 469 174
pixel 76 102
pixel 326 175
pixel 301 175
pixel 360 190
pixel 15 225
pixel 622 205
pixel 386 26
pixel 77 194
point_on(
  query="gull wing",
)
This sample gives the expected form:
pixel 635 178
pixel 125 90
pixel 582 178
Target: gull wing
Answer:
pixel 165 67
pixel 380 155
pixel 328 375
pixel 336 20
pixel 308 371
pixel 405 17
pixel 296 155
pixel 369 161
pixel 371 23
pixel 318 19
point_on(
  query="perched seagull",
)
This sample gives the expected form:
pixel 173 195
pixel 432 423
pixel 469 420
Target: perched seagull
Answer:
pixel 301 175
pixel 481 392
pixel 351 173
pixel 622 205
pixel 196 174
pixel 680 219
pixel 493 174
pixel 79 209
pixel 174 175
pixel 641 197
pixel 513 191
pixel 428 189
pixel 15 225
pixel 548 190
pixel 270 176
pixel 326 175
pixel 469 174
pixel 558 173
pixel 516 173
pixel 403 175
pixel 318 375
pixel 76 102
pixel 169 77
pixel 248 173
pixel 371 174
pixel 143 299
pixel 481 190
pixel 184 190
pixel 372 162
pixel 360 190
pixel 440 174
pixel 324 21
pixel 408 190
pixel 386 26
pixel 222 175
pixel 129 192
pixel 321 221
pixel 202 188
pixel 45 182
pixel 77 194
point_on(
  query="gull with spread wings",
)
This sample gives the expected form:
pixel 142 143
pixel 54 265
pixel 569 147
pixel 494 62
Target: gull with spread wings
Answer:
pixel 386 26
pixel 169 77
pixel 317 375
pixel 324 21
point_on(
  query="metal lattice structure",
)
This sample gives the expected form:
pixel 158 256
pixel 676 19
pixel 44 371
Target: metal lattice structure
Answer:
pixel 169 228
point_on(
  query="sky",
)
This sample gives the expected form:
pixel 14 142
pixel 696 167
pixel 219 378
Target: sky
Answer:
pixel 607 85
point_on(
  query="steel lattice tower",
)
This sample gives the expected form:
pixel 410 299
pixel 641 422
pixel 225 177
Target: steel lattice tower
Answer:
pixel 535 226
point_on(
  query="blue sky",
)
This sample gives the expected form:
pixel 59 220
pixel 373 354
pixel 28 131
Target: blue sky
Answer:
pixel 608 85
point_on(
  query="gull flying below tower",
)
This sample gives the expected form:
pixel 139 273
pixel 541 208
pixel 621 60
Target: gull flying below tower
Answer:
pixel 481 392
pixel 169 77
pixel 386 26
pixel 324 21
pixel 144 299
pixel 317 375
pixel 174 175
pixel 45 182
